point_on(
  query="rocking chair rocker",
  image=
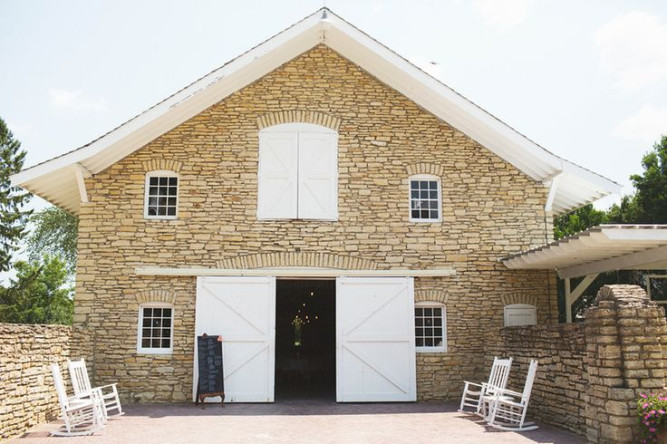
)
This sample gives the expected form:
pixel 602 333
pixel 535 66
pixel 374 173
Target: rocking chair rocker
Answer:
pixel 507 409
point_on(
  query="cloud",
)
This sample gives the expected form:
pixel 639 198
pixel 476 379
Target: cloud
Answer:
pixel 75 101
pixel 424 64
pixel 632 48
pixel 646 126
pixel 503 12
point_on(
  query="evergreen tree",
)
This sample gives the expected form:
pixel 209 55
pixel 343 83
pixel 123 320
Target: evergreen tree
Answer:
pixel 12 216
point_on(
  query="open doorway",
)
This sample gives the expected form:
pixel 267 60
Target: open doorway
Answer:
pixel 305 339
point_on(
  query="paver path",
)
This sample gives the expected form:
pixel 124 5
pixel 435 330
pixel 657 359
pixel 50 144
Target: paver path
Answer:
pixel 301 422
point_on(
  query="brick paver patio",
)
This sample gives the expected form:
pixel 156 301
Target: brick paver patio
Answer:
pixel 301 422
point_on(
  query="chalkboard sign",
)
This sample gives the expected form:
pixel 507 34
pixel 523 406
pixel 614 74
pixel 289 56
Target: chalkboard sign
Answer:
pixel 211 380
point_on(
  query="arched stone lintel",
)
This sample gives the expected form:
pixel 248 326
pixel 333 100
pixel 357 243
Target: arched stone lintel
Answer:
pixel 160 164
pixel 431 296
pixel 511 299
pixel 426 168
pixel 148 296
pixel 295 116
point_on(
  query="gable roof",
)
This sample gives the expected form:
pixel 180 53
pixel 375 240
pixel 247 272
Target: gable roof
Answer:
pixel 60 180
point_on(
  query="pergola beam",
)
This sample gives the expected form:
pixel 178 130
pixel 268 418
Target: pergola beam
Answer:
pixel 628 261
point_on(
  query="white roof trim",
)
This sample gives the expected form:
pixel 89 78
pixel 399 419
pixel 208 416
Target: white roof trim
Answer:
pixel 321 27
pixel 599 249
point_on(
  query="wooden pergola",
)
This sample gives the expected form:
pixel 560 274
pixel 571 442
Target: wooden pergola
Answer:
pixel 594 251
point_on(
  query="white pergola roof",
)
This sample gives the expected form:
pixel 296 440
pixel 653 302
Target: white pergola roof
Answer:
pixel 599 249
pixel 61 180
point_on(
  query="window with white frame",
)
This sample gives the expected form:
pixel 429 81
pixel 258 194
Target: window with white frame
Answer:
pixel 430 327
pixel 297 176
pixel 161 198
pixel 425 199
pixel 520 314
pixel 156 329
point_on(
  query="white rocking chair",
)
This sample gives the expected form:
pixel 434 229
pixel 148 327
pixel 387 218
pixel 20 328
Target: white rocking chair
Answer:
pixel 474 393
pixel 81 385
pixel 508 408
pixel 81 416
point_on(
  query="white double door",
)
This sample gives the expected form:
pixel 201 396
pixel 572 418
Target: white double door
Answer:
pixel 375 346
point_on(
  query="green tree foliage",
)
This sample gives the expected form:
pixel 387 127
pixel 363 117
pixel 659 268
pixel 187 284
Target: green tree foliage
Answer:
pixel 55 234
pixel 38 294
pixel 579 220
pixel 651 196
pixel 625 212
pixel 648 205
pixel 12 217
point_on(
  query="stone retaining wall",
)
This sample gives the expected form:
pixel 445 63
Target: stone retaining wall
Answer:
pixel 559 392
pixel 591 374
pixel 27 394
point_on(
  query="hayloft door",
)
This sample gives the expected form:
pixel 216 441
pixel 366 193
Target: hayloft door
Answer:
pixel 318 172
pixel 375 341
pixel 242 311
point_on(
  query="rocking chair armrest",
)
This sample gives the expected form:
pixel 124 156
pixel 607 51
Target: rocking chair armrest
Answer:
pixel 467 383
pixel 102 387
pixel 497 391
pixel 490 389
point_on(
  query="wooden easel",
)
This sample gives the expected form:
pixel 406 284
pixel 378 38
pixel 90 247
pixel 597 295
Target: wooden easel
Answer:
pixel 211 380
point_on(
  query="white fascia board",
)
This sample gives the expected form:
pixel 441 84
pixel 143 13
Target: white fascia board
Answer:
pixel 428 92
pixel 341 40
pixel 601 182
pixel 648 234
pixel 353 44
pixel 295 34
pixel 628 261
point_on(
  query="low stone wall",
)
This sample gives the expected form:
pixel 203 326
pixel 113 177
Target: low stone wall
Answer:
pixel 559 391
pixel 27 393
pixel 590 374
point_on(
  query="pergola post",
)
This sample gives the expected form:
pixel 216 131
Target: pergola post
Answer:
pixel 572 296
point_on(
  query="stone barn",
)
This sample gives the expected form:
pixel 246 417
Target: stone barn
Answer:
pixel 330 210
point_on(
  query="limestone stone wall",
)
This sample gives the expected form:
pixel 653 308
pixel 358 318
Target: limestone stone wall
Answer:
pixel 490 209
pixel 27 394
pixel 559 392
pixel 627 334
pixel 590 374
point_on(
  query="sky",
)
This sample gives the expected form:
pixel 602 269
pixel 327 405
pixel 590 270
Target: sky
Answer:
pixel 587 80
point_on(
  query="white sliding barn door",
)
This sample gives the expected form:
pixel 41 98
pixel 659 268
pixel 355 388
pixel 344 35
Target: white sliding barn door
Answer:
pixel 375 340
pixel 242 311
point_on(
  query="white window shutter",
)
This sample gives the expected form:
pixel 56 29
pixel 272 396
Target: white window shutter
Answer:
pixel 318 176
pixel 277 176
